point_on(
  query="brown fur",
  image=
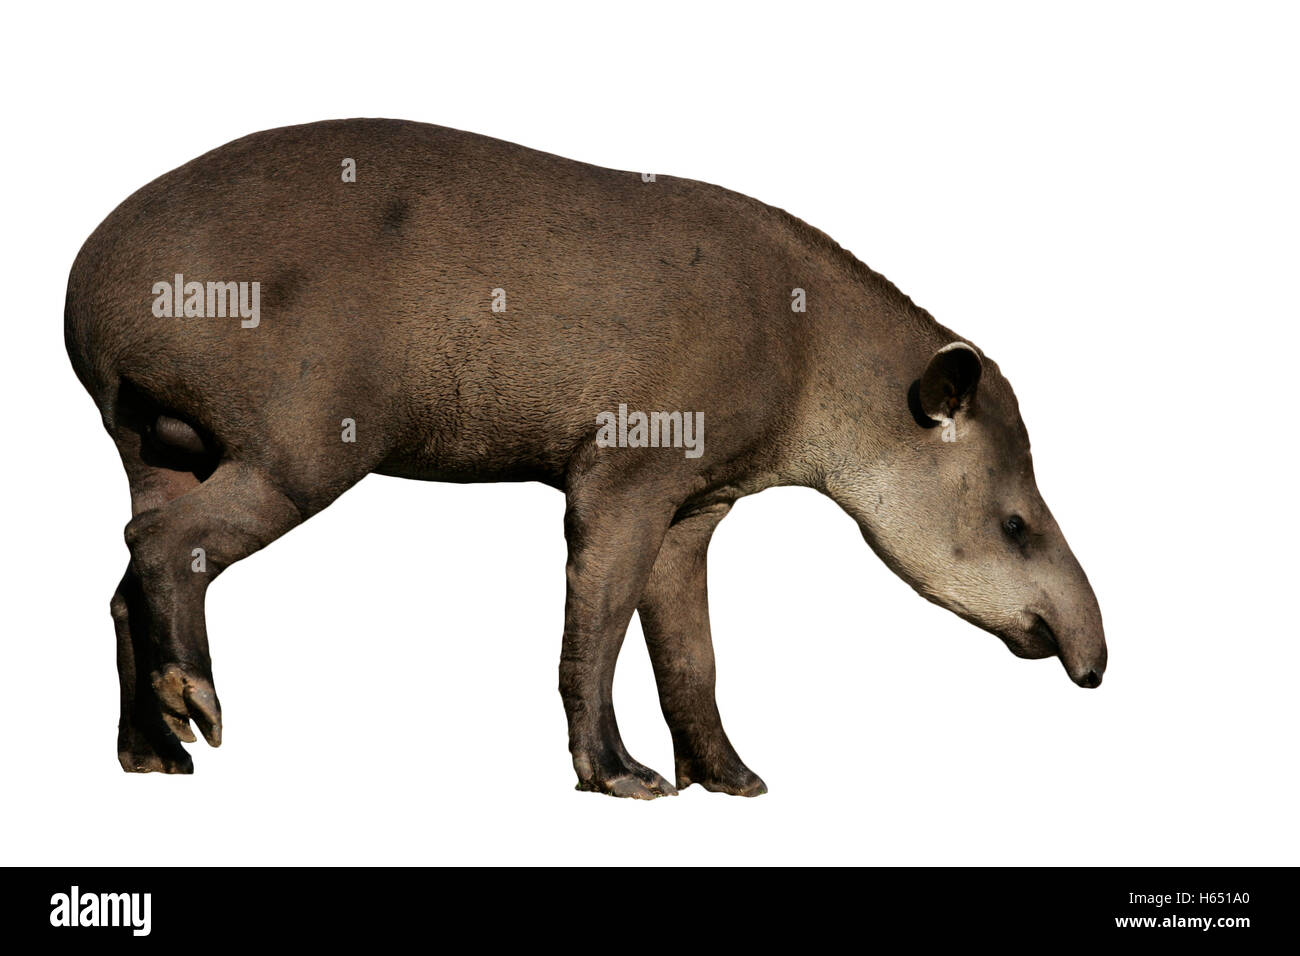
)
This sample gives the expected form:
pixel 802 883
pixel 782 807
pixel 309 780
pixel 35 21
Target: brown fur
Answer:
pixel 663 295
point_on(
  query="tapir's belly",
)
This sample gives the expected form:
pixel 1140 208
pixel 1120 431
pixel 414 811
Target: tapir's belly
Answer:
pixel 513 396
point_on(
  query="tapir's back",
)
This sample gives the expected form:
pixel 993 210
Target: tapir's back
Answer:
pixel 470 303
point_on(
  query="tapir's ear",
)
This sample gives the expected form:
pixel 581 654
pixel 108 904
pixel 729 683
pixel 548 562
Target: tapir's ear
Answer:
pixel 949 381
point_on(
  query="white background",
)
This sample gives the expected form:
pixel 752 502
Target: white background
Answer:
pixel 1105 201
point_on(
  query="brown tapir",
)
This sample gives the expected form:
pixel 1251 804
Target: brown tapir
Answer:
pixel 270 323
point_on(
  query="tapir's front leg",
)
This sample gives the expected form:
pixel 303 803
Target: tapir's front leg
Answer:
pixel 674 613
pixel 613 539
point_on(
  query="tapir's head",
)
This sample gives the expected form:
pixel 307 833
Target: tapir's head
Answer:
pixel 954 510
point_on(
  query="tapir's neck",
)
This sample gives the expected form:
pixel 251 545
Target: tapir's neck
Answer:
pixel 864 343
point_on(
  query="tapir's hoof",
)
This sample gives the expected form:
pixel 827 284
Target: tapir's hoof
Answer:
pixel 150 762
pixel 157 752
pixel 186 695
pixel 733 778
pixel 630 780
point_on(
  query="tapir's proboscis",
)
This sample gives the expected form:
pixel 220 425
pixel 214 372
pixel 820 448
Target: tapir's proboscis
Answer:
pixel 268 324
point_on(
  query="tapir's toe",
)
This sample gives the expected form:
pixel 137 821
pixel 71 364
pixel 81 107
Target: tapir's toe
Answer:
pixel 628 780
pixel 155 751
pixel 186 695
pixel 731 777
pixel 150 762
pixel 752 786
pixel 637 788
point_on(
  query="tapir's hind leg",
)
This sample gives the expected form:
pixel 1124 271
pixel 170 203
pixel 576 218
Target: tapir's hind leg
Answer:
pixel 144 740
pixel 176 551
pixel 674 611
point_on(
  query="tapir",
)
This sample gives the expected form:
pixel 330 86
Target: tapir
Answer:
pixel 268 324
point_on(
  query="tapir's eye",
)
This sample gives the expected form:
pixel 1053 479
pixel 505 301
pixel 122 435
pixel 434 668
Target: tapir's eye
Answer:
pixel 1015 528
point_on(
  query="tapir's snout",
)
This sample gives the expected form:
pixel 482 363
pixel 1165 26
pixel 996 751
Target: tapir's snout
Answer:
pixel 1077 639
pixel 1090 679
pixel 1087 669
pixel 1060 617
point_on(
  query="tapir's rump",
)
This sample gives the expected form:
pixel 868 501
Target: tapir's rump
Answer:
pixel 266 325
